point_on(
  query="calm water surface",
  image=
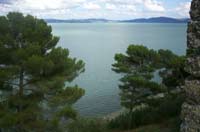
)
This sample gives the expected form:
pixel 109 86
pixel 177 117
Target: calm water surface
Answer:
pixel 97 43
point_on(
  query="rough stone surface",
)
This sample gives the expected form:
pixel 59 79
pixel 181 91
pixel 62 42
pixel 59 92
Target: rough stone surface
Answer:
pixel 192 90
pixel 191 117
pixel 193 36
pixel 195 10
pixel 193 66
pixel 191 108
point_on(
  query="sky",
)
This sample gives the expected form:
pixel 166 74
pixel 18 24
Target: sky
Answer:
pixel 108 9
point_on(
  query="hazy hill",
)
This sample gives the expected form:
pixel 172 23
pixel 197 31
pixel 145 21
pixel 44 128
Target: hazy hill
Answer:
pixel 141 20
pixel 158 20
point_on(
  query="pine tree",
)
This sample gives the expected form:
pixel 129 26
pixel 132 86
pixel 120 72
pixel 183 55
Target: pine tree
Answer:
pixel 33 72
pixel 137 66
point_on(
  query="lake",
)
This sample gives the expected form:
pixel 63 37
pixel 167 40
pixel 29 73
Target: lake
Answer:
pixel 97 43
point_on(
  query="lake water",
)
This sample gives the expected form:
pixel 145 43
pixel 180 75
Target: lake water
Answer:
pixel 97 43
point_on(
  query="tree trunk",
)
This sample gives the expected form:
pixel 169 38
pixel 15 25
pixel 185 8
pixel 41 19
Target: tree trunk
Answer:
pixel 21 92
pixel 21 82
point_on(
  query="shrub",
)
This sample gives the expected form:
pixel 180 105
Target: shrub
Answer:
pixel 171 125
pixel 87 125
pixel 135 119
pixel 168 107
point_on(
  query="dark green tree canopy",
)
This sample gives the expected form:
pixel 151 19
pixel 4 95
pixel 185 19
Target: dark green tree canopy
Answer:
pixel 33 72
pixel 138 66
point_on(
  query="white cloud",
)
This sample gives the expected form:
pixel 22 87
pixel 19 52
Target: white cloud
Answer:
pixel 154 5
pixel 91 6
pixel 42 4
pixel 4 8
pixel 131 7
pixel 110 9
pixel 110 6
pixel 42 8
pixel 45 5
pixel 183 9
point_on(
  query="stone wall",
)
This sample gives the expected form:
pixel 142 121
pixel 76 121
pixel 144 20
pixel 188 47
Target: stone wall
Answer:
pixel 191 108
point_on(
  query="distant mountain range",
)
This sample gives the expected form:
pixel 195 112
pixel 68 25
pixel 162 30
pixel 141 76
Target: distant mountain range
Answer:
pixel 158 20
pixel 77 20
pixel 141 20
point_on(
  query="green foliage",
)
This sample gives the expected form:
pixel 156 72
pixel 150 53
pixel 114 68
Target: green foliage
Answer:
pixel 166 56
pixel 138 66
pixel 137 88
pixel 138 59
pixel 87 125
pixel 171 125
pixel 174 74
pixel 67 112
pixel 164 109
pixel 33 72
pixel 71 94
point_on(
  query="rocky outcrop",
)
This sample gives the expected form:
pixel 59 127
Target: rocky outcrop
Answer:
pixel 191 108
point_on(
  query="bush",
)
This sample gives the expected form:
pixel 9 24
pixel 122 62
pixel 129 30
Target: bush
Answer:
pixel 168 107
pixel 171 125
pixel 132 120
pixel 87 125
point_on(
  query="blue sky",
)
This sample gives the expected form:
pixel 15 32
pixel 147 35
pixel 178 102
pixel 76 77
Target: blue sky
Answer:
pixel 109 9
